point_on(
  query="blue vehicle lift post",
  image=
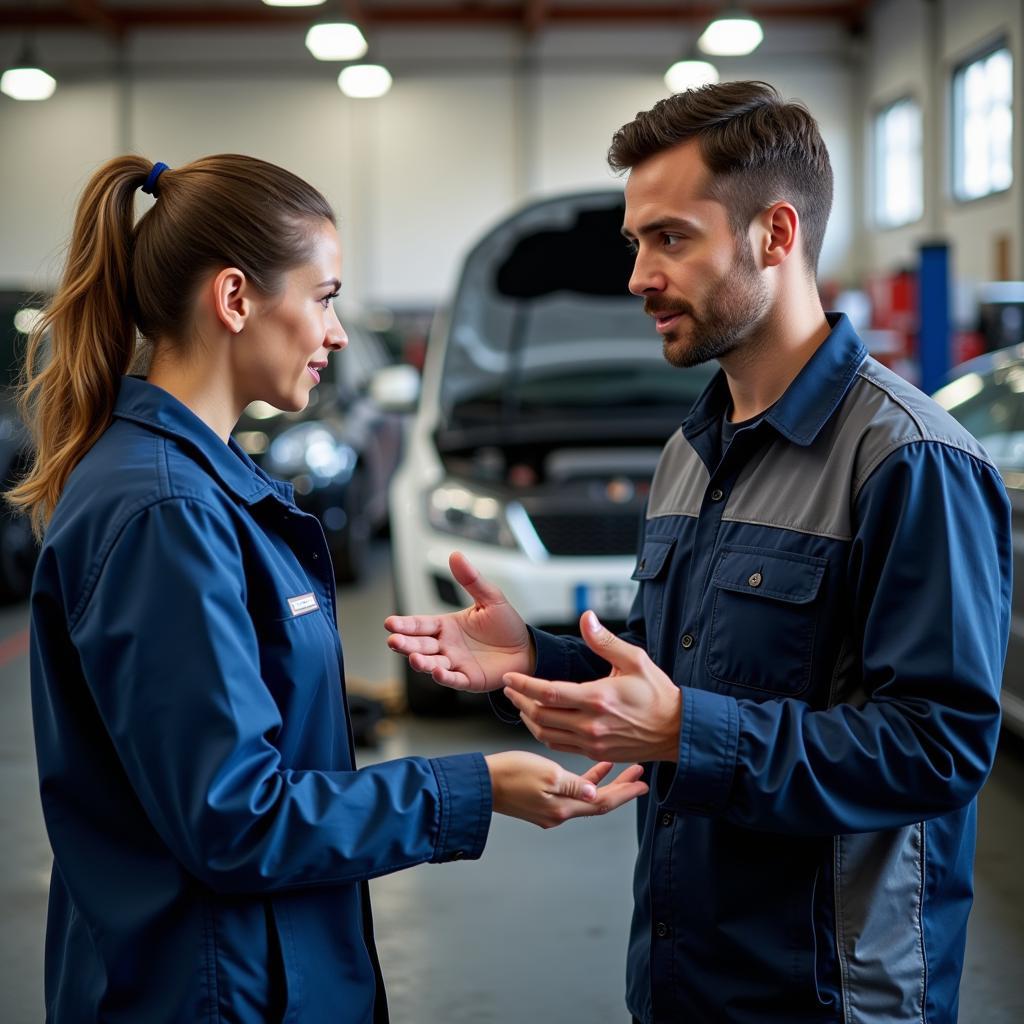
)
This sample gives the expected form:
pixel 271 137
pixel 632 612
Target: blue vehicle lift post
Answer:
pixel 934 339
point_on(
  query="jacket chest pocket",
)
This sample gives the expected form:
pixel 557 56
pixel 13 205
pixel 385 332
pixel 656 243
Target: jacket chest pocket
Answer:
pixel 764 619
pixel 652 572
pixel 297 647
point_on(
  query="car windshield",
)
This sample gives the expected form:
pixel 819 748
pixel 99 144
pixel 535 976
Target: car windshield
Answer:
pixel 562 352
pixel 544 323
pixel 991 407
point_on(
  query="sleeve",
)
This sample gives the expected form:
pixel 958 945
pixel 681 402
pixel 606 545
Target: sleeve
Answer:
pixel 172 658
pixel 930 572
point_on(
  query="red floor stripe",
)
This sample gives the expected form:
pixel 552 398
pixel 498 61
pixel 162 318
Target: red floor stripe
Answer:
pixel 13 647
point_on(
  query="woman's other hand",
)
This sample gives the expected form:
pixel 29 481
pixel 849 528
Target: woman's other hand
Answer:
pixel 541 791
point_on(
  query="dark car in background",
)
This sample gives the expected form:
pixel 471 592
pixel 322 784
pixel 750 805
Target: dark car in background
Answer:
pixel 340 452
pixel 986 395
pixel 18 548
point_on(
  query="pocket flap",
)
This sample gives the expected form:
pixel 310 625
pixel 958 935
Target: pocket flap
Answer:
pixel 783 576
pixel 652 557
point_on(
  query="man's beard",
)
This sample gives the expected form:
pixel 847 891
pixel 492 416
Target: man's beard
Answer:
pixel 735 305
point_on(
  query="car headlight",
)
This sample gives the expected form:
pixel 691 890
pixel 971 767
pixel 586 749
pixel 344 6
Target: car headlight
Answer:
pixel 310 448
pixel 453 508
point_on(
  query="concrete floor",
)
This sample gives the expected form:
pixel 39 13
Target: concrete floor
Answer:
pixel 534 931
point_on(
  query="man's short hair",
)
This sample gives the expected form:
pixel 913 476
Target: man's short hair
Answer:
pixel 759 149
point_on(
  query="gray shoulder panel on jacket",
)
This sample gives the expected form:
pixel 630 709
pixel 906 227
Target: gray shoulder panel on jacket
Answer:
pixel 910 415
pixel 679 481
pixel 812 489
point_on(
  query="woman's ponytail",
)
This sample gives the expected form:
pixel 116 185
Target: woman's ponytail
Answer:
pixel 126 280
pixel 84 342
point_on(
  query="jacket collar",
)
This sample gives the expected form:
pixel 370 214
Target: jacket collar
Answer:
pixel 809 401
pixel 158 410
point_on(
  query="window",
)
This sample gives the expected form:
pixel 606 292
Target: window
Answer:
pixel 899 180
pixel 983 125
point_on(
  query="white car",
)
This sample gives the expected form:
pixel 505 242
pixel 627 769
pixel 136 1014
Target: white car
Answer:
pixel 545 404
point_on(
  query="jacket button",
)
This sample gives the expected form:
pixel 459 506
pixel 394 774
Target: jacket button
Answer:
pixel 716 495
pixel 316 554
pixel 755 579
pixel 661 929
pixel 643 564
pixel 666 818
pixel 458 854
pixel 686 642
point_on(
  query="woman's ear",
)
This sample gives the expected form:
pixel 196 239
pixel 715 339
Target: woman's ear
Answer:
pixel 231 303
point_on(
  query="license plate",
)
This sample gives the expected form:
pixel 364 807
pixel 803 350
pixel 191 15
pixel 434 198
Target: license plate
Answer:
pixel 607 600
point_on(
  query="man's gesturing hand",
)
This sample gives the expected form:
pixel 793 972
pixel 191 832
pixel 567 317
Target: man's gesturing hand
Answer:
pixel 633 714
pixel 467 650
pixel 540 791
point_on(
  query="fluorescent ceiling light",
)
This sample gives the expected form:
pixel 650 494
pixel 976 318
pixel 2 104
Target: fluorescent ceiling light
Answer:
pixel 293 3
pixel 25 320
pixel 365 81
pixel 27 84
pixel 733 34
pixel 690 74
pixel 336 41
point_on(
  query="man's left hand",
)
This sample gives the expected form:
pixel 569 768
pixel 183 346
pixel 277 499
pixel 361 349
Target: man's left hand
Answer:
pixel 633 714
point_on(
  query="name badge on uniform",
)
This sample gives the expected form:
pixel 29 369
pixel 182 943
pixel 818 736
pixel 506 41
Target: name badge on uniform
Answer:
pixel 303 604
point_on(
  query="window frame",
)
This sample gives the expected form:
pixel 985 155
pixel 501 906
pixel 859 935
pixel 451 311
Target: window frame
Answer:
pixel 957 74
pixel 877 157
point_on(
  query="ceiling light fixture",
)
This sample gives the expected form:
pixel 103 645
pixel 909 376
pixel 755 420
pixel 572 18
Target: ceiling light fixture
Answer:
pixel 26 80
pixel 26 319
pixel 293 3
pixel 365 81
pixel 336 41
pixel 690 73
pixel 733 33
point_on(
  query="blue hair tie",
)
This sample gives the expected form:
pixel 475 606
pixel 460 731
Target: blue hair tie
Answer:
pixel 150 186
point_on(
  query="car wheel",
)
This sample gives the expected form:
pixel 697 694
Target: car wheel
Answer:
pixel 350 546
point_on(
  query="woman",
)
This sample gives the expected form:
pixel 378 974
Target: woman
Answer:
pixel 212 838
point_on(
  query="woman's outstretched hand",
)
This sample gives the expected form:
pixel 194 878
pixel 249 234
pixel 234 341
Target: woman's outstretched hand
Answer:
pixel 544 793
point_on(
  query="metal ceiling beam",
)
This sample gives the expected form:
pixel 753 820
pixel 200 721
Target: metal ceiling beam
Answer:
pixel 534 14
pixel 124 19
pixel 92 14
pixel 354 9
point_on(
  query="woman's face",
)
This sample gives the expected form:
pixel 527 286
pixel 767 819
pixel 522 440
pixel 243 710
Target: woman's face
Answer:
pixel 289 336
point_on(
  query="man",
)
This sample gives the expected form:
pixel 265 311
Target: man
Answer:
pixel 812 665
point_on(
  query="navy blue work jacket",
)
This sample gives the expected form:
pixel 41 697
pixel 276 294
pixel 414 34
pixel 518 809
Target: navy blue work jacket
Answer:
pixel 212 837
pixel 832 595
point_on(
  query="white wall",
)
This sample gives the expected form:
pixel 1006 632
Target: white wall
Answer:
pixel 439 165
pixel 476 123
pixel 47 151
pixel 913 47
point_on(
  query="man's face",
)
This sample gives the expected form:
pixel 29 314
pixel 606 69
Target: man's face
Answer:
pixel 701 283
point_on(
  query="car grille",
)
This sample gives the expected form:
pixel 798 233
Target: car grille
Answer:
pixel 604 533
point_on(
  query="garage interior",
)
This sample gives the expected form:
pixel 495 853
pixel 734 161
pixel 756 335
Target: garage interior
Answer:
pixel 485 107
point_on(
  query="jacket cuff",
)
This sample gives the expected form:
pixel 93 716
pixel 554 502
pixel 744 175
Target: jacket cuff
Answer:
pixel 466 806
pixel 552 655
pixel 552 663
pixel 700 782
